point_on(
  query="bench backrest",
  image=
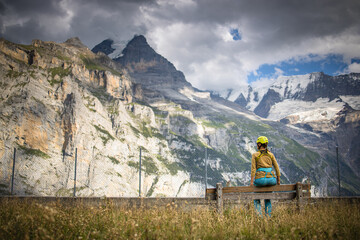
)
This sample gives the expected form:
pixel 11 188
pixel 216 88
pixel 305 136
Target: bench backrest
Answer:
pixel 287 191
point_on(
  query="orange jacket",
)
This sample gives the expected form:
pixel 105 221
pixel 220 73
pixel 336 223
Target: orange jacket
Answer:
pixel 266 160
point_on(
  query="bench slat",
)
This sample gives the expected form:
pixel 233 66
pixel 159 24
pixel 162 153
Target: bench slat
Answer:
pixel 251 196
pixel 236 196
pixel 211 191
pixel 284 187
pixel 290 187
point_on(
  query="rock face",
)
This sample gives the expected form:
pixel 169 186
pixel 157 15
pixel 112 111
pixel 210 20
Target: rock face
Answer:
pixel 104 47
pixel 270 99
pixel 241 100
pixel 332 87
pixel 60 100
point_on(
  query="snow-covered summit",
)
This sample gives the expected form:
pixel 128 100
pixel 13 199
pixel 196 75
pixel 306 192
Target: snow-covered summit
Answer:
pixel 291 86
pixel 308 87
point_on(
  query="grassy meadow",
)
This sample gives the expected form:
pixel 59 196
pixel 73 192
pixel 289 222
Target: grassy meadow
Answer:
pixel 33 220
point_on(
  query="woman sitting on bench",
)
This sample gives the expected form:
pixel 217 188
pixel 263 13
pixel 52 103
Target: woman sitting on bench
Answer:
pixel 261 169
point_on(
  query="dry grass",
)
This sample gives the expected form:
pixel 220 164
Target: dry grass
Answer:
pixel 55 221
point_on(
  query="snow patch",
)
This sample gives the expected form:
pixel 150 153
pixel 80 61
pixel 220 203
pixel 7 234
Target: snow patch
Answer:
pixel 353 101
pixel 305 111
pixel 234 95
pixel 190 93
pixel 287 86
pixel 119 47
pixel 302 130
pixel 230 94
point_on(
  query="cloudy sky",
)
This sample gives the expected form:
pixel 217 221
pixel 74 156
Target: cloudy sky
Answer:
pixel 218 44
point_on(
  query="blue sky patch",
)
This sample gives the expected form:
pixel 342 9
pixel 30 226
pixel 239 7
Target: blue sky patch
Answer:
pixel 355 60
pixel 235 34
pixel 332 64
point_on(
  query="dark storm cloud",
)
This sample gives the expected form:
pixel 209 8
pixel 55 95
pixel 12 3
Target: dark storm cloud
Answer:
pixel 2 8
pixel 196 34
pixel 23 20
pixel 285 18
pixel 96 20
pixel 30 28
pixel 25 7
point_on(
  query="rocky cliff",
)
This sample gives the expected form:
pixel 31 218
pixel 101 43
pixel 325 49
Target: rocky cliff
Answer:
pixel 60 101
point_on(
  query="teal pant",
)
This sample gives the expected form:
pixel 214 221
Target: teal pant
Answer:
pixel 262 182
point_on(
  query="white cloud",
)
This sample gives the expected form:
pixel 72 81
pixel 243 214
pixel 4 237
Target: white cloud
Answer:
pixel 263 82
pixel 278 72
pixel 354 67
pixel 225 34
pixel 179 4
pixel 219 73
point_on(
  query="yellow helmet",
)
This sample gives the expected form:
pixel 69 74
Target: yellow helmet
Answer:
pixel 262 140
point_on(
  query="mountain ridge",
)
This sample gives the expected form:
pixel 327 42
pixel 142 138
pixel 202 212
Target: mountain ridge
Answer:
pixel 71 98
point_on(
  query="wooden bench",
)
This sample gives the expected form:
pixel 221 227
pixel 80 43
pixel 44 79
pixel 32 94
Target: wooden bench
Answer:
pixel 296 191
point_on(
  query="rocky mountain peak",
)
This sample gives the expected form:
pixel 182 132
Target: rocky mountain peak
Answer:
pixel 105 47
pixel 76 42
pixel 138 50
pixel 148 67
pixel 316 75
pixel 332 87
pixel 138 41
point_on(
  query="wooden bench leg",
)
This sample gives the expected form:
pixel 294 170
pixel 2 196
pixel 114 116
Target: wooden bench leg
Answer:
pixel 219 198
pixel 299 197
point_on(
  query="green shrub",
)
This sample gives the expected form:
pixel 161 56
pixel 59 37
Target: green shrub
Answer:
pixel 133 164
pixel 33 152
pixel 153 185
pixel 173 167
pixel 105 136
pixel 91 64
pixel 149 165
pixel 58 71
pixel 14 74
pixel 113 160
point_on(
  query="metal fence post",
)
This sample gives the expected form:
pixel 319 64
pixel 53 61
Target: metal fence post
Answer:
pixel 140 173
pixel 338 169
pixel 13 172
pixel 75 172
pixel 205 168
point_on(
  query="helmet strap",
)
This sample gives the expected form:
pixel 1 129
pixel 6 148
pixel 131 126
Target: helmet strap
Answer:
pixel 259 145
